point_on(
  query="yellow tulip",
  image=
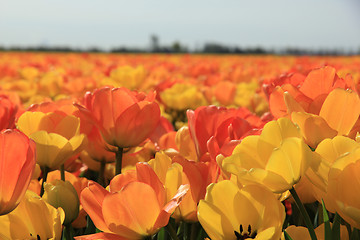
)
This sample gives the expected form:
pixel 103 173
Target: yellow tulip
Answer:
pixel 228 212
pixel 329 150
pixel 62 194
pixel 344 186
pixel 302 233
pixel 57 136
pixel 32 219
pixel 277 159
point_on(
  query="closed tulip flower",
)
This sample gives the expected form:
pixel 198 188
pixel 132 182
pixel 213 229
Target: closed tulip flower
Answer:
pixel 62 194
pixel 17 158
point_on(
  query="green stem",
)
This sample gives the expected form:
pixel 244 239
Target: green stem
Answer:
pixel 305 215
pixel 67 232
pixel 62 172
pixel 118 162
pixel 101 178
pixel 171 231
pixel 186 231
pixel 193 231
pixel 45 171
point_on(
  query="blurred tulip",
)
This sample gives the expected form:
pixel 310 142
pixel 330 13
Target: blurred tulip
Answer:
pixel 32 219
pixel 8 111
pixel 232 213
pixel 17 158
pixel 183 96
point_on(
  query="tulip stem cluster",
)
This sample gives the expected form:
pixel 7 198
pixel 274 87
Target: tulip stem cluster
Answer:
pixel 304 214
pixel 118 164
pixel 171 231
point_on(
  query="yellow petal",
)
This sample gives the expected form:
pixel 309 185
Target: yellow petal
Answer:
pixel 52 150
pixel 313 127
pixel 29 122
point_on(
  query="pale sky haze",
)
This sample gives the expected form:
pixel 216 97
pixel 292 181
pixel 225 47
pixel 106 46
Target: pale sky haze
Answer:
pixel 271 24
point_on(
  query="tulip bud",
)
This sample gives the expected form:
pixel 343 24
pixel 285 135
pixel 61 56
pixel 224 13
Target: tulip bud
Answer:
pixel 62 194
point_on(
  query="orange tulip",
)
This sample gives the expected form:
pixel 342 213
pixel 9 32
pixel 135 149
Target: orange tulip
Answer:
pixel 125 118
pixel 134 208
pixel 17 158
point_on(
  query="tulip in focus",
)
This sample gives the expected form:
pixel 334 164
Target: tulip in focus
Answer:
pixel 228 212
pixel 33 219
pixel 277 159
pixel 17 158
pixel 135 207
pixel 62 194
pixel 125 118
pixel 301 233
pixel 57 136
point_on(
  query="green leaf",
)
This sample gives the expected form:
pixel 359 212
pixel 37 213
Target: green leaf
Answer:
pixel 287 236
pixel 328 235
pixel 335 231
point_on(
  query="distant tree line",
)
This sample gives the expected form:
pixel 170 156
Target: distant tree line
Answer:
pixel 177 47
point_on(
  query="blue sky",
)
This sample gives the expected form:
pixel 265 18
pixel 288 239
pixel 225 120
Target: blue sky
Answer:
pixel 311 24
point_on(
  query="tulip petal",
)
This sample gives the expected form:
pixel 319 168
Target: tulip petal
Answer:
pixel 170 207
pixel 91 199
pixel 341 110
pixel 147 175
pixel 318 82
pixel 214 221
pixel 135 124
pixel 133 211
pixel 313 127
pixel 101 236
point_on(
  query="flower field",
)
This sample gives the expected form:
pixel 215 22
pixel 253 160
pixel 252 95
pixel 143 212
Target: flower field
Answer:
pixel 145 146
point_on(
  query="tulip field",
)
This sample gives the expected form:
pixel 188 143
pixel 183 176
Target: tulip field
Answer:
pixel 193 147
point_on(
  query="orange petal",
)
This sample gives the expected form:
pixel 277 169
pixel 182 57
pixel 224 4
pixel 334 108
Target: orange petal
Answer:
pixel 341 109
pixel 133 211
pixel 319 81
pixel 100 236
pixel 92 199
pixel 120 180
pixel 147 175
